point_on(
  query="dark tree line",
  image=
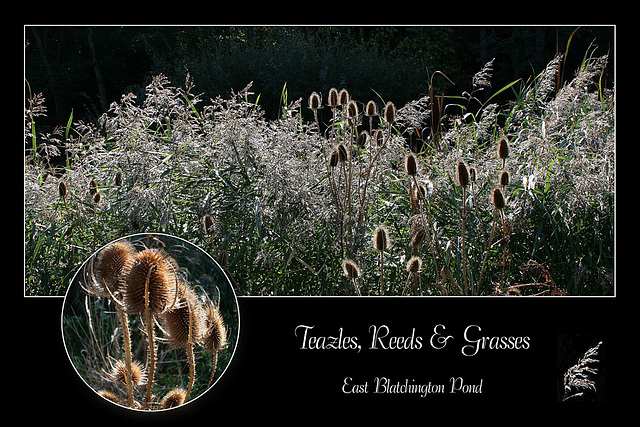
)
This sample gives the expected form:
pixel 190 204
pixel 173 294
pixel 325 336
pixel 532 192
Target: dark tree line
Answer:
pixel 87 68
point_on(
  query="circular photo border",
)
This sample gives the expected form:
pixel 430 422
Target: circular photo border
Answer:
pixel 150 321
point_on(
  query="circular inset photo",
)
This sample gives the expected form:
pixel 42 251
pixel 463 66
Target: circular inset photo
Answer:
pixel 150 322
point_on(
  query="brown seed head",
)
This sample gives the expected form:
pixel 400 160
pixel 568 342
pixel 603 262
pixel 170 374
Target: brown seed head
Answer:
pixel 333 97
pixel 414 265
pixel 215 337
pixel 208 224
pixel 315 101
pixel 333 158
pixel 62 189
pixel 175 397
pixel 118 179
pixel 378 136
pixel 381 240
pixel 462 174
pixel 155 270
pixel 498 199
pixel 389 112
pixel 185 322
pixel 410 165
pixel 503 148
pixel 342 152
pixel 371 109
pixel 93 187
pixel 504 178
pixel 110 263
pixel 343 97
pixel 362 139
pixel 472 174
pixel 352 110
pixel 119 373
pixel 350 269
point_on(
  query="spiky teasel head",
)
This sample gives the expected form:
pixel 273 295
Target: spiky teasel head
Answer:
pixel 334 157
pixel 62 190
pixel 343 97
pixel 381 240
pixel 503 148
pixel 112 397
pixel 411 165
pixel 119 374
pixel 352 110
pixel 371 110
pixel 93 187
pixel 472 174
pixel 378 137
pixel 504 178
pixel 350 269
pixel 414 265
pixel 315 101
pixel 462 174
pixel 175 397
pixel 333 97
pixel 185 322
pixel 418 238
pixel 151 269
pixel 389 112
pixel 342 152
pixel 215 336
pixel 362 139
pixel 110 263
pixel 118 179
pixel 498 199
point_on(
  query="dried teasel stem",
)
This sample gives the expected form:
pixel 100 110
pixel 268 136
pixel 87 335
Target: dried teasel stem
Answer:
pixel 381 243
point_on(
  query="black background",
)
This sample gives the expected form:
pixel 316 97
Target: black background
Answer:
pixel 270 378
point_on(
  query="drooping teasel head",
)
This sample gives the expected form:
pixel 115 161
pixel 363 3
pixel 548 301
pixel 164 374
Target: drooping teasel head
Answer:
pixel 503 148
pixel 175 397
pixel 333 97
pixel 389 112
pixel 381 240
pixel 343 97
pixel 410 165
pixel 185 322
pixel 215 336
pixel 462 174
pixel 414 265
pixel 371 110
pixel 350 269
pixel 119 374
pixel 111 261
pixel 155 271
pixel 504 178
pixel 315 101
pixel 498 199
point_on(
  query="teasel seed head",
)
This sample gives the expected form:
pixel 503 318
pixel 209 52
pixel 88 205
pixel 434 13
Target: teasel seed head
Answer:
pixel 93 187
pixel 343 97
pixel 333 97
pixel 97 197
pixel 352 110
pixel 315 101
pixel 503 148
pixel 462 174
pixel 418 238
pixel 333 158
pixel 410 165
pixel 472 174
pixel 378 136
pixel 362 139
pixel 118 373
pixel 504 178
pixel 62 189
pixel 175 397
pixel 110 262
pixel 185 322
pixel 350 269
pixel 414 265
pixel 389 112
pixel 381 240
pixel 371 109
pixel 342 152
pixel 215 336
pixel 208 224
pixel 160 270
pixel 118 179
pixel 112 397
pixel 498 199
